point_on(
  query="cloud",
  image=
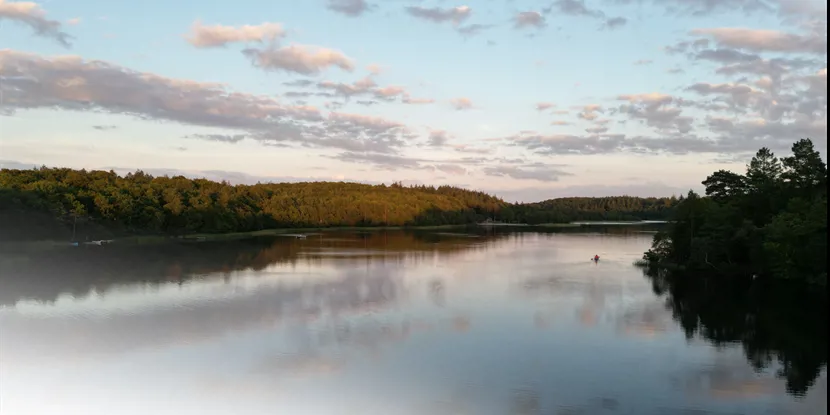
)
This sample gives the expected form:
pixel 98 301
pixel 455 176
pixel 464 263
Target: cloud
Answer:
pixel 392 162
pixel 642 62
pixel 567 144
pixel 374 69
pixel 685 46
pixel 590 112
pixel 438 138
pixel 745 99
pixel 30 14
pixel 706 89
pixel 561 123
pixel 301 59
pixel 16 165
pixel 597 130
pixel 74 21
pixel 382 161
pixel 299 83
pixel 788 11
pixel 615 23
pixel 764 96
pixel 759 118
pixel 656 111
pixel 765 40
pixel 451 169
pixel 104 127
pixel 416 101
pixel 576 8
pixel 366 86
pixel 351 8
pixel 456 15
pixel 544 106
pixel 72 83
pixel 365 121
pixel 474 29
pixel 538 171
pixel 726 56
pixel 390 92
pixel 221 138
pixel 524 20
pixel 461 104
pixel 649 98
pixel 217 36
pixel 463 148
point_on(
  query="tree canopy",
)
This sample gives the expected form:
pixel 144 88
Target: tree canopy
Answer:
pixel 104 203
pixel 771 221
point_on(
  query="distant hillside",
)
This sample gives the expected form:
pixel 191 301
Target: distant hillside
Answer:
pixel 621 208
pixel 48 202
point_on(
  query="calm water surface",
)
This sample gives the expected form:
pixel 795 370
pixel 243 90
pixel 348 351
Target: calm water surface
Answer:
pixel 391 323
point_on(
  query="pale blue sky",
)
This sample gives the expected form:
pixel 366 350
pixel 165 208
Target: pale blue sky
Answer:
pixel 673 134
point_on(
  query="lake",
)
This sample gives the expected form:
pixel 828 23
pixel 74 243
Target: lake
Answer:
pixel 486 321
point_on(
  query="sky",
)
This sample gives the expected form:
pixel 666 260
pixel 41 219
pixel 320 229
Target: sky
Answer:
pixel 525 99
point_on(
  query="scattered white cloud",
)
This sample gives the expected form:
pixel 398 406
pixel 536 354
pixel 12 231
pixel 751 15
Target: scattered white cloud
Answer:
pixel 351 8
pixel 529 19
pixel 544 106
pixel 455 15
pixel 576 8
pixel 72 83
pixel 32 15
pixel 301 59
pixel 615 23
pixel 474 29
pixel 216 36
pixel 538 172
pixel 461 103
pixel 765 40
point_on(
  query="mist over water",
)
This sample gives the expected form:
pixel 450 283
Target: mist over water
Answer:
pixel 485 322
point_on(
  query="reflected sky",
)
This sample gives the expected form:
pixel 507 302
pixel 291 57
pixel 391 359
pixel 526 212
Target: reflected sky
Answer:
pixel 365 323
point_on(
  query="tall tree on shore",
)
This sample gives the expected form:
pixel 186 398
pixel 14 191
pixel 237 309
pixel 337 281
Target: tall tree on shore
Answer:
pixel 770 222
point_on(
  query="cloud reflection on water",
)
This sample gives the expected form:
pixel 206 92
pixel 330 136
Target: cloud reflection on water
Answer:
pixel 437 324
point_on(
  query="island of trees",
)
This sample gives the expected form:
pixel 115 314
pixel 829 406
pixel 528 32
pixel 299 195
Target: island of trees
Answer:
pixel 769 222
pixel 44 202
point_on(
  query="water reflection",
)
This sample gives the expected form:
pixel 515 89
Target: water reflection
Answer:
pixel 77 271
pixel 491 322
pixel 777 324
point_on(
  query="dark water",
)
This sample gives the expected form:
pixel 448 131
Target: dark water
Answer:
pixel 396 323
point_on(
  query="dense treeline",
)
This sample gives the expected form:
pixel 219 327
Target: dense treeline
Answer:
pixel 618 208
pixel 98 201
pixel 771 221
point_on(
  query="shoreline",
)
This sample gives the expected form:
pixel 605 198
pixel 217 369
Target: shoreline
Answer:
pixel 302 232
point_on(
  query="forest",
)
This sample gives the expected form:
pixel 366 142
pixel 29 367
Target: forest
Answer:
pixel 769 222
pixel 46 203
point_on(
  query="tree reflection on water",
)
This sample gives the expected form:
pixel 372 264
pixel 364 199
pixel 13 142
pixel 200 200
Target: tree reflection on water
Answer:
pixel 779 322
